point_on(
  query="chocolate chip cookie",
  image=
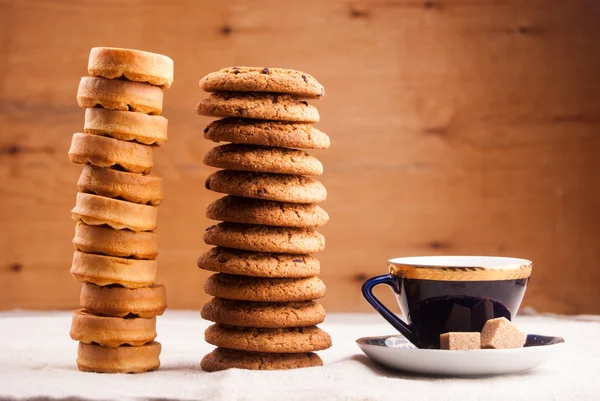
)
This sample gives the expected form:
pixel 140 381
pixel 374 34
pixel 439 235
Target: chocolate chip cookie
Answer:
pixel 283 340
pixel 244 288
pixel 262 106
pixel 263 314
pixel 275 187
pixel 223 358
pixel 267 133
pixel 257 264
pixel 265 238
pixel 269 213
pixel 263 159
pixel 263 79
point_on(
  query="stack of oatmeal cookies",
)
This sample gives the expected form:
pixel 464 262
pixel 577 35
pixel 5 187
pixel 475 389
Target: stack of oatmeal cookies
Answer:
pixel 266 283
pixel 116 210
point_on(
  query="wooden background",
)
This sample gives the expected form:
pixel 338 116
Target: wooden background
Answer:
pixel 457 127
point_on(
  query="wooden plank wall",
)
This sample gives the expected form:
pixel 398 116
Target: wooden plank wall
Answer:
pixel 458 127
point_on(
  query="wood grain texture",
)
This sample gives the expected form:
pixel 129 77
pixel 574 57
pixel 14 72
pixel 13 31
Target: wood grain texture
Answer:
pixel 457 127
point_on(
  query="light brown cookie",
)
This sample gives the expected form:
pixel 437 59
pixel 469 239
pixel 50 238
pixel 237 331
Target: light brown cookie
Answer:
pixel 94 358
pixel 263 79
pixel 134 65
pixel 126 126
pixel 109 152
pixel 263 314
pixel 266 133
pixel 262 106
pixel 111 332
pixel 257 264
pixel 275 187
pixel 222 359
pixel 265 238
pixel 144 302
pixel 97 210
pixel 136 188
pixel 287 340
pixel 263 159
pixel 256 211
pixel 107 270
pixel 108 241
pixel 117 94
pixel 242 288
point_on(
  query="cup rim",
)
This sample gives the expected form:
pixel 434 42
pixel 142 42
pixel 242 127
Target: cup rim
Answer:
pixel 461 268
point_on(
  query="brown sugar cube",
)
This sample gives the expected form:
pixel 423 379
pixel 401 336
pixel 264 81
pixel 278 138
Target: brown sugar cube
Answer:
pixel 460 341
pixel 501 333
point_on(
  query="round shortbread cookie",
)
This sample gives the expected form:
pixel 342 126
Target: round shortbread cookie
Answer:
pixel 94 358
pixel 286 340
pixel 223 358
pixel 263 314
pixel 144 302
pixel 134 65
pixel 265 238
pixel 121 243
pixel 269 213
pixel 136 188
pixel 111 332
pixel 263 159
pixel 275 187
pixel 108 152
pixel 108 270
pixel 117 94
pixel 257 264
pixel 97 210
pixel 262 79
pixel 262 106
pixel 266 133
pixel 126 126
pixel 244 288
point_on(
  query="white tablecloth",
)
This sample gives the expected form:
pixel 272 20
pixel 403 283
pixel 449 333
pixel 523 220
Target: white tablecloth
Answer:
pixel 37 359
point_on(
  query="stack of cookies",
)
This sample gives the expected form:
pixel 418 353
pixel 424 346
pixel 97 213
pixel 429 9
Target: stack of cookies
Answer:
pixel 116 210
pixel 266 283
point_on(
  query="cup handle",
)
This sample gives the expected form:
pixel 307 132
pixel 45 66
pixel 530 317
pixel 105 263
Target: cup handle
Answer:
pixel 367 291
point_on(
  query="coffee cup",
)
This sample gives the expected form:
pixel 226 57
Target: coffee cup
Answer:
pixel 441 294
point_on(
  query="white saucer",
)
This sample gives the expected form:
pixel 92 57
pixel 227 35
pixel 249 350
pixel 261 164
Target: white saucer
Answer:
pixel 397 352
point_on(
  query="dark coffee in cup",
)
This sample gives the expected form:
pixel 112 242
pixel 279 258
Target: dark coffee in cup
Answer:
pixel 440 294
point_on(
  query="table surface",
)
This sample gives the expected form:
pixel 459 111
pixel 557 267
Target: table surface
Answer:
pixel 37 359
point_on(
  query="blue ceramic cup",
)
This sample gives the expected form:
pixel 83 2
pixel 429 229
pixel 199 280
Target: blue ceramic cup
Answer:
pixel 441 294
